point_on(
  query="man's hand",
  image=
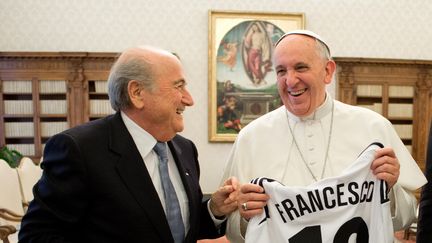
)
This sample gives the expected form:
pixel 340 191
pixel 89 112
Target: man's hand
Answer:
pixel 224 200
pixel 251 200
pixel 386 166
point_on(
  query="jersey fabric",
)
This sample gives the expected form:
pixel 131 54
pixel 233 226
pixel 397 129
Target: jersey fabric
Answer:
pixel 353 207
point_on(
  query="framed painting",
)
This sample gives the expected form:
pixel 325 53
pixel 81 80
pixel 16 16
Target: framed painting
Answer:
pixel 242 81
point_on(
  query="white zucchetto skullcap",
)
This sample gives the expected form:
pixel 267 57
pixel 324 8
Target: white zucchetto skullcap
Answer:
pixel 304 32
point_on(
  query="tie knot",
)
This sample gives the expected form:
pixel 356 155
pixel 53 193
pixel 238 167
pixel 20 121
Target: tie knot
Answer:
pixel 161 150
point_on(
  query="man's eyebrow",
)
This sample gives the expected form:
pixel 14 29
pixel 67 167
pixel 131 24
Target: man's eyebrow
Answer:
pixel 279 66
pixel 301 64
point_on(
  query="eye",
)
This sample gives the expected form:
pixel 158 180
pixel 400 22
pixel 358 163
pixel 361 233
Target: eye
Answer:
pixel 280 72
pixel 301 68
pixel 180 86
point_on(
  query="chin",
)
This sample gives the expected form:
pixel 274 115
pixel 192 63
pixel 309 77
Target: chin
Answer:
pixel 179 129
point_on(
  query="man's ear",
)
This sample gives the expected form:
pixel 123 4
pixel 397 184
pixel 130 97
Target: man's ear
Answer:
pixel 330 69
pixel 135 93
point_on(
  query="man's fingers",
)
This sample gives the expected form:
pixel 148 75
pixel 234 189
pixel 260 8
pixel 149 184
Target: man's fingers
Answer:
pixel 234 182
pixel 385 151
pixel 248 188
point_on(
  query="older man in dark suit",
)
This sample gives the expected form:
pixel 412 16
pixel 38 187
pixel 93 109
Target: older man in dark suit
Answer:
pixel 102 181
pixel 424 230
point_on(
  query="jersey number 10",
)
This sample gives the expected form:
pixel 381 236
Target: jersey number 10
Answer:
pixel 312 234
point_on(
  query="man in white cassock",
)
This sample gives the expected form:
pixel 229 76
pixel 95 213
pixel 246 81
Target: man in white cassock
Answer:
pixel 312 137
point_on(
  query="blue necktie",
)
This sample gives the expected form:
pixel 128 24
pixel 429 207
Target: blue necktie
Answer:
pixel 172 205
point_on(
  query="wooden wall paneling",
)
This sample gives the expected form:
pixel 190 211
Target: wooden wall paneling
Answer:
pixel 36 117
pixel 74 68
pixel 354 72
pixel 423 110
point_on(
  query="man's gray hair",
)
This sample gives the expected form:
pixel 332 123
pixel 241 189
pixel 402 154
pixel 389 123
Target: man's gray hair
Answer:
pixel 124 70
pixel 322 47
pixel 323 50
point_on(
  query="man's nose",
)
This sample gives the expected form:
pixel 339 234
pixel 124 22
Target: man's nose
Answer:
pixel 187 98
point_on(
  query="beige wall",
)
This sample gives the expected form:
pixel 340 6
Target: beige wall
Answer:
pixel 353 28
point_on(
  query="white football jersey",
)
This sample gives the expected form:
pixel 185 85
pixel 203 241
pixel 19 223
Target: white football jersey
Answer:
pixel 352 207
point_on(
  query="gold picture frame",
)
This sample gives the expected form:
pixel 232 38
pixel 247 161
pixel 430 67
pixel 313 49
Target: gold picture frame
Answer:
pixel 242 82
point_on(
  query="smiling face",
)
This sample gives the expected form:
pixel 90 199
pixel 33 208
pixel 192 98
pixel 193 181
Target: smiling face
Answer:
pixel 169 99
pixel 159 111
pixel 302 74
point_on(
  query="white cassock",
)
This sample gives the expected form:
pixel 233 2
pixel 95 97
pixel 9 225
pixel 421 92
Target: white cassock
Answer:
pixel 266 148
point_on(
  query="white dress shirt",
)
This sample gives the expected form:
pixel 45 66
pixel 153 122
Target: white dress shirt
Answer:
pixel 145 143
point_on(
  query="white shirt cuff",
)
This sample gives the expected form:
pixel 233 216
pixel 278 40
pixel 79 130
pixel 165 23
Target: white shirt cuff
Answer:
pixel 216 221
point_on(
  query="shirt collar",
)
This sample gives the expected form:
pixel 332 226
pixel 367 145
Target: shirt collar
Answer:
pixel 319 113
pixel 143 140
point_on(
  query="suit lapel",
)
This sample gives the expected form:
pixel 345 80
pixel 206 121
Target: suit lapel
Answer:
pixel 132 170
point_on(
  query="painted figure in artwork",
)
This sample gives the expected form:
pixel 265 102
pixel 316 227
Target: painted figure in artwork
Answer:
pixel 257 48
pixel 227 114
pixel 230 55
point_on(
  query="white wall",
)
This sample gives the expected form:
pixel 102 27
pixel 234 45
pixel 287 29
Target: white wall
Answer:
pixel 353 28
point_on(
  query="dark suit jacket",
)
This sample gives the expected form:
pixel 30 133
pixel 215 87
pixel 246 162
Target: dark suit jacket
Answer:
pixel 95 188
pixel 424 227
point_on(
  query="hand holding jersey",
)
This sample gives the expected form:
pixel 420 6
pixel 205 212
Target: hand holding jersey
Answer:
pixel 386 166
pixel 251 200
